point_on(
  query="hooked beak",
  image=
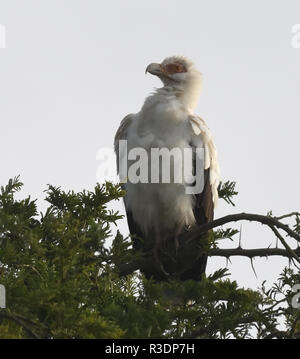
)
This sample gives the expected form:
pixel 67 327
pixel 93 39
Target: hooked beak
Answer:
pixel 155 69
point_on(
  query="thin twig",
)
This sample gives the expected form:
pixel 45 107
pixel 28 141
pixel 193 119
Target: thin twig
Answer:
pixel 286 246
pixel 288 215
pixel 267 220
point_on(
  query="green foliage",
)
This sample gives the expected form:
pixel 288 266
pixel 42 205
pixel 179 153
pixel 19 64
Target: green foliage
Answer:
pixel 50 267
pixel 62 279
pixel 226 191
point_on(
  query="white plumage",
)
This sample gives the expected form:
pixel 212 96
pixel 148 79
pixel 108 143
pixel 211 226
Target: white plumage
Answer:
pixel 167 120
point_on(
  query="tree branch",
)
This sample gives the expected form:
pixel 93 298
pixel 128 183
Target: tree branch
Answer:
pixel 147 262
pixel 190 239
pixel 269 221
pixel 297 214
pixel 250 253
pixel 287 247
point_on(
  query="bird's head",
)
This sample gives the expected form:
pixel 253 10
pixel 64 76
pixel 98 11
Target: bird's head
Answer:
pixel 181 74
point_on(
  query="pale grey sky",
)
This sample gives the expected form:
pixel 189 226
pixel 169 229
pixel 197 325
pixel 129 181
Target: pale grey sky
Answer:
pixel 72 69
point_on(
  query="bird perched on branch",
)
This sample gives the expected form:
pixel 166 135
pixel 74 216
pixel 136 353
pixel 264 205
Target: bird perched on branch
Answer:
pixel 160 210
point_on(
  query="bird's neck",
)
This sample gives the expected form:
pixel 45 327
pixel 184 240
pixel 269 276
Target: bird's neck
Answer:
pixel 188 94
pixel 189 97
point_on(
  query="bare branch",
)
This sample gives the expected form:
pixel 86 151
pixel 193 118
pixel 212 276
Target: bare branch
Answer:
pixel 297 214
pixel 267 220
pixel 250 253
pixel 286 246
pixel 147 262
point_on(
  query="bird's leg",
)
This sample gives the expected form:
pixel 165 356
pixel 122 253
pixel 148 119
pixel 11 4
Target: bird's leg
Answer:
pixel 176 238
pixel 158 247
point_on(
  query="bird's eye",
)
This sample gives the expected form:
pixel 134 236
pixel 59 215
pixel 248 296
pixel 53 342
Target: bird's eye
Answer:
pixel 175 68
